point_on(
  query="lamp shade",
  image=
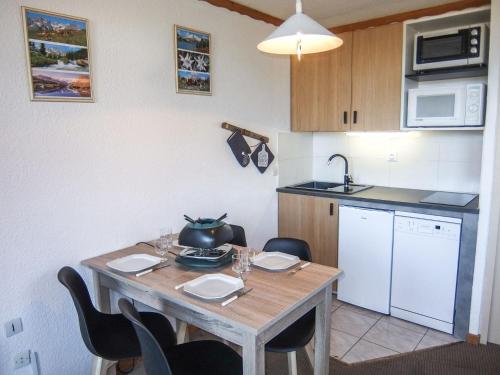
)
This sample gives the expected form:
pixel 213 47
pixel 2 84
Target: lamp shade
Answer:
pixel 299 34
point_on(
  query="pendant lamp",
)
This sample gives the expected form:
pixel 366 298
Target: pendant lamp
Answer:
pixel 299 34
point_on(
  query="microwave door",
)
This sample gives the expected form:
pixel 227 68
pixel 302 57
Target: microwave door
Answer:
pixel 436 108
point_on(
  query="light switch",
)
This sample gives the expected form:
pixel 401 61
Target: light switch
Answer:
pixel 13 327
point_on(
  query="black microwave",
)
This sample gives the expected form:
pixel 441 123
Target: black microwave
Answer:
pixel 461 46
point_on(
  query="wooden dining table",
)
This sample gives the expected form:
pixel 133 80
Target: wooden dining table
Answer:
pixel 276 301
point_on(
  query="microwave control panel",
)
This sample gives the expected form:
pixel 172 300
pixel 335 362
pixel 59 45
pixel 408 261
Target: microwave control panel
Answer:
pixel 474 110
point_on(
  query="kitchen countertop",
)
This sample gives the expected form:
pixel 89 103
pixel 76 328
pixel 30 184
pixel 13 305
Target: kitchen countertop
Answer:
pixel 389 195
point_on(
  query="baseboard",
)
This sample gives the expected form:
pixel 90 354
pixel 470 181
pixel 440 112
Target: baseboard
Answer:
pixel 472 339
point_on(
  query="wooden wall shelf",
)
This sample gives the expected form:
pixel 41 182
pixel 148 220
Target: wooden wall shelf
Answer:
pixel 245 132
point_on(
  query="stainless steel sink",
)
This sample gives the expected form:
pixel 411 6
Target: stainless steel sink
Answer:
pixel 332 187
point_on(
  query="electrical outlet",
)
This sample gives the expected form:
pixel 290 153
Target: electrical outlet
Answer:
pixel 22 359
pixel 392 157
pixel 13 327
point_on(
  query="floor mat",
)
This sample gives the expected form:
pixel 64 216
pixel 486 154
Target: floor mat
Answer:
pixel 454 359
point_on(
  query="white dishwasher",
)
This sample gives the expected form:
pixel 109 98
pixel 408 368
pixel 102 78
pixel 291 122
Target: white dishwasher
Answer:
pixel 424 270
pixel 365 255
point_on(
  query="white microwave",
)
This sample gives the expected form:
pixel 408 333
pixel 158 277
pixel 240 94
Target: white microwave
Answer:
pixel 446 106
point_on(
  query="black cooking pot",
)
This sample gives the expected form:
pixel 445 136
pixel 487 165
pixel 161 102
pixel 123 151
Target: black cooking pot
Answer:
pixel 205 233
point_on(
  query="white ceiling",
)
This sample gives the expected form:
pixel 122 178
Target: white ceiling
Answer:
pixel 340 12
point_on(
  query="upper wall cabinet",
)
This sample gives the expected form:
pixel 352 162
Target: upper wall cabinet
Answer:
pixel 354 87
pixel 376 78
pixel 321 89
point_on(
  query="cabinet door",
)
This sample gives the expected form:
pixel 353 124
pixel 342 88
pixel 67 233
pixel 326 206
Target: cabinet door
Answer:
pixel 314 220
pixel 326 223
pixel 376 78
pixel 321 89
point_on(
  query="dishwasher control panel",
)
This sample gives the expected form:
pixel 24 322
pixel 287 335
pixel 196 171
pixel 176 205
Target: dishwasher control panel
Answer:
pixel 426 227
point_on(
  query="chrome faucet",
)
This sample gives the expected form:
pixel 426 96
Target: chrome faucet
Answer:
pixel 347 176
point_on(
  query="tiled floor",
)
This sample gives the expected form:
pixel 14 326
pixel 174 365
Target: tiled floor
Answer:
pixel 359 335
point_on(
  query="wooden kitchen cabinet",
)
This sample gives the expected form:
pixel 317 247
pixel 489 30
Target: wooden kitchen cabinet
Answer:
pixel 321 89
pixel 314 220
pixel 356 87
pixel 376 78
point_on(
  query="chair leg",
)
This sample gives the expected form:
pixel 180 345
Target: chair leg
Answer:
pixel 101 366
pixel 292 363
pixel 182 332
pixel 310 351
pixel 112 369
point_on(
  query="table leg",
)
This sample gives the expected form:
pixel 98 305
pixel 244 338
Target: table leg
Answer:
pixel 310 351
pixel 254 360
pixel 181 331
pixel 322 334
pixel 103 303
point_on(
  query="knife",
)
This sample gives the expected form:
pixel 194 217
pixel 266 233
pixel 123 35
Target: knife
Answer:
pixel 233 298
pixel 152 269
pixel 294 271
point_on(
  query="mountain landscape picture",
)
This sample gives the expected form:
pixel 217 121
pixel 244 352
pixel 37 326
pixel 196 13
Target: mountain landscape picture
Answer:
pixel 193 81
pixel 192 40
pixel 58 55
pixel 60 84
pixel 42 26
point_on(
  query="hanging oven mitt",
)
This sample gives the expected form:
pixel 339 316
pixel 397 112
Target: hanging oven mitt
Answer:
pixel 262 157
pixel 240 148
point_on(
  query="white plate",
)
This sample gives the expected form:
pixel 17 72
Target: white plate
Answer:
pixel 134 262
pixel 275 260
pixel 213 286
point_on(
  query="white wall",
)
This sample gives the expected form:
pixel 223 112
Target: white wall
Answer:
pixel 494 323
pixel 449 161
pixel 489 200
pixel 78 180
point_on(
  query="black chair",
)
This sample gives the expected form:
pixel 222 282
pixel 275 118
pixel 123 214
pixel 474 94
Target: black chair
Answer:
pixel 300 333
pixel 239 238
pixel 111 336
pixel 193 358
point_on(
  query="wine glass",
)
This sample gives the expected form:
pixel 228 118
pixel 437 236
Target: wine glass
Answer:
pixel 252 253
pixel 161 248
pixel 239 266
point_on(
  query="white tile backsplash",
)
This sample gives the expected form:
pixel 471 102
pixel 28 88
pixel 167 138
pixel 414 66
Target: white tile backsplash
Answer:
pixel 463 174
pixel 293 171
pixel 414 174
pixel 295 145
pixel 371 171
pixel 295 158
pixel 440 160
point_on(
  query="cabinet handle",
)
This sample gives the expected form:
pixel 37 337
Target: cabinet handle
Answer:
pixel 355 117
pixel 345 117
pixel 331 209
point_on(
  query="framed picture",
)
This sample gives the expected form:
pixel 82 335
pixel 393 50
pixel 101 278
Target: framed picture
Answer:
pixel 57 49
pixel 192 61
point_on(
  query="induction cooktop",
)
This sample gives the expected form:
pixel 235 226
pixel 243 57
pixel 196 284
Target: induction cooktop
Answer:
pixel 449 199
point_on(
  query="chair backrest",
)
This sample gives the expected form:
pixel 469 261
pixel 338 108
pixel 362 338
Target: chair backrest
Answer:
pixel 292 246
pixel 155 361
pixel 239 238
pixel 88 316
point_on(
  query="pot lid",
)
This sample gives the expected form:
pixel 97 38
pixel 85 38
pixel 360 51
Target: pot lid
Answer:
pixel 205 223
